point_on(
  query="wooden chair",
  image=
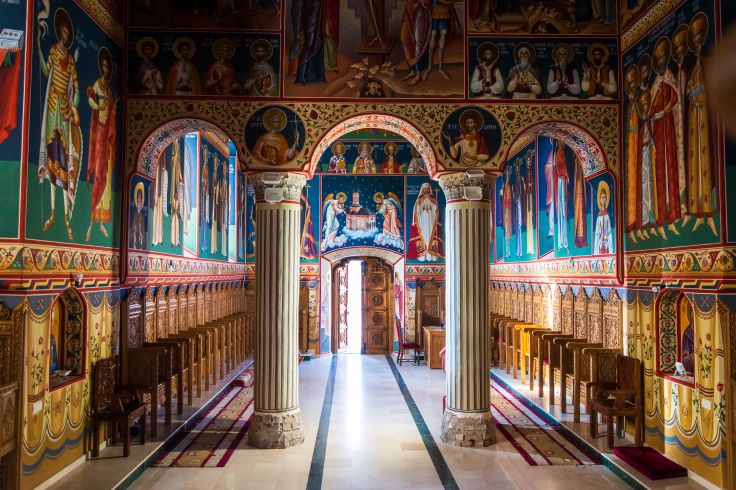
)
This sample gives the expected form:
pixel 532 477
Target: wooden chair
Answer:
pixel 114 404
pixel 619 399
pixel 405 345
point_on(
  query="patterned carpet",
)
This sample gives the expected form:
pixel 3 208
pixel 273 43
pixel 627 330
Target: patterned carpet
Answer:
pixel 538 442
pixel 212 441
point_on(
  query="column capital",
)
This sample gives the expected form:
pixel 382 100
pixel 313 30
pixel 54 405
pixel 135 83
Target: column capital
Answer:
pixel 291 184
pixel 454 184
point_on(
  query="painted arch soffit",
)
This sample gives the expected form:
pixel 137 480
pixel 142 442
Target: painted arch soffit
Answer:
pixel 322 121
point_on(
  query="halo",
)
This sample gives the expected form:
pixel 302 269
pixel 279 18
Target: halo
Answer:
pixel 483 47
pixel 261 42
pixel 698 19
pixel 337 145
pixel 681 30
pixel 601 46
pixel 663 40
pixel 219 43
pixel 179 42
pixel 632 72
pixel 378 197
pixel 139 188
pixel 471 114
pixel 365 143
pixel 529 46
pixel 603 187
pixel 388 145
pixel 146 40
pixel 274 111
pixel 566 46
pixel 104 53
pixel 644 59
pixel 341 197
pixel 62 16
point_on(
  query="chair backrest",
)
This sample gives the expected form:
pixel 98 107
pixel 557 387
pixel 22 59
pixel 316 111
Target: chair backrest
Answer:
pixel 105 383
pixel 580 315
pixel 399 332
pixel 566 312
pixel 595 317
pixel 628 375
pixel 612 321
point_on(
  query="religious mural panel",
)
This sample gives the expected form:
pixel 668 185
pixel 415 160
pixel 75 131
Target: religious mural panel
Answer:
pixel 189 207
pixel 170 198
pixel 203 64
pixel 214 202
pixel 560 68
pixel 140 199
pixel 471 136
pixel 12 48
pixel 425 206
pixel 374 49
pixel 549 206
pixel 631 10
pixel 371 151
pixel 362 211
pixel 201 14
pixel 74 121
pixel 274 137
pixel 671 143
pixel 542 17
pixel 310 235
pixel 241 217
pixel 250 225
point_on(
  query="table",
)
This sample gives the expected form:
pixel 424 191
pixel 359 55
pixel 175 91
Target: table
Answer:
pixel 434 341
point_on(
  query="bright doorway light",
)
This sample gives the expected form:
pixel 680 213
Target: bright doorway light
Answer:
pixel 355 307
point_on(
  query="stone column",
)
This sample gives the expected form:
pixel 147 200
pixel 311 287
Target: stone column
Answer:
pixel 467 420
pixel 277 422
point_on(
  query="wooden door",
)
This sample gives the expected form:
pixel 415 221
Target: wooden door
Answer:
pixel 377 306
pixel 430 308
pixel 340 307
pixel 11 393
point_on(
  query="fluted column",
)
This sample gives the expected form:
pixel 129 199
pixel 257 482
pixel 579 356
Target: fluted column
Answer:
pixel 467 420
pixel 277 422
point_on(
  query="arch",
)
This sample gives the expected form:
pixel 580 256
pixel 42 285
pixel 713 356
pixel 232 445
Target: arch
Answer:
pixel 388 256
pixel 160 138
pixel 70 344
pixel 584 145
pixel 668 318
pixel 387 122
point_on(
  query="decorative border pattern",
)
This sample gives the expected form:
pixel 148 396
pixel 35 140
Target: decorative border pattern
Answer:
pixel 425 270
pixel 704 261
pixel 305 270
pixel 640 27
pixel 145 117
pixel 50 259
pixel 148 263
pixel 602 269
pixel 105 19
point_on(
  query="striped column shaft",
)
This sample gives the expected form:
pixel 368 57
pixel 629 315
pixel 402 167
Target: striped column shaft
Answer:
pixel 277 306
pixel 277 420
pixel 468 421
pixel 467 270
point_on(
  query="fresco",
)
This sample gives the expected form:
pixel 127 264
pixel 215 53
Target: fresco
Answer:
pixel 560 68
pixel 274 136
pixel 546 206
pixel 73 140
pixel 214 202
pixel 425 210
pixel 140 200
pixel 233 14
pixel 241 217
pixel 310 202
pixel 471 136
pixel 12 48
pixel 170 200
pixel 374 49
pixel 632 10
pixel 362 211
pixel 542 17
pixel 250 223
pixel 189 208
pixel 671 151
pixel 371 151
pixel 203 64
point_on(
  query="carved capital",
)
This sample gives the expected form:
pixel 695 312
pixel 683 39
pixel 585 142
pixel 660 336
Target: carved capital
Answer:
pixel 453 185
pixel 292 184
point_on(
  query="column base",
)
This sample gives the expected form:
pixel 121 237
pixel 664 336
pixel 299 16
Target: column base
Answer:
pixel 277 430
pixel 474 429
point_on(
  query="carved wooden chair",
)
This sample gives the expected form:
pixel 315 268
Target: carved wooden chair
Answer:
pixel 147 367
pixel 113 404
pixel 619 399
pixel 403 345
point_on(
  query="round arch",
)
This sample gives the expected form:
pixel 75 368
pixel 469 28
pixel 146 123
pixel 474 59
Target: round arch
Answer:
pixel 388 256
pixel 159 138
pixel 584 145
pixel 387 122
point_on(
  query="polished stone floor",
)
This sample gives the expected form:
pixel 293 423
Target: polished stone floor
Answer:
pixel 373 441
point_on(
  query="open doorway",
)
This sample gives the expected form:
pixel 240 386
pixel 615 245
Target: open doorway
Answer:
pixel 362 306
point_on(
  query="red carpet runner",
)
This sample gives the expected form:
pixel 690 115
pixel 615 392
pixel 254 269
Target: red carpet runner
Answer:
pixel 539 443
pixel 212 441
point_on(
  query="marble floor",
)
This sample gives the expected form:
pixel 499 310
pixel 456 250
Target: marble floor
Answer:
pixel 373 441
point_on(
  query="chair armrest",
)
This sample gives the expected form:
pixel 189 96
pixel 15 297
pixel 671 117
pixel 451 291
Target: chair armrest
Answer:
pixel 532 328
pixel 563 341
pixel 582 345
pixel 551 336
pixel 620 395
pixel 600 350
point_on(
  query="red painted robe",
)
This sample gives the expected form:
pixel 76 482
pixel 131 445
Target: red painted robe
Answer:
pixel 664 161
pixel 102 137
pixel 9 77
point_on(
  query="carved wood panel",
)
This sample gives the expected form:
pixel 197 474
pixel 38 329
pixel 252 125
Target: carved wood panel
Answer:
pixel 566 312
pixel 595 317
pixel 133 320
pixel 173 304
pixel 613 321
pixel 430 301
pixel 11 358
pixel 340 280
pixel 162 314
pixel 556 308
pixel 377 306
pixel 149 315
pixel 580 315
pixel 537 296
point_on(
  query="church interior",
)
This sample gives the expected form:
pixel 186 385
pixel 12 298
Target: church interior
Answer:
pixel 367 244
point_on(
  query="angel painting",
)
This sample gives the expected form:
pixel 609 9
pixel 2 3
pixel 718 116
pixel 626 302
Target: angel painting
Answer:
pixel 333 206
pixel 390 208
